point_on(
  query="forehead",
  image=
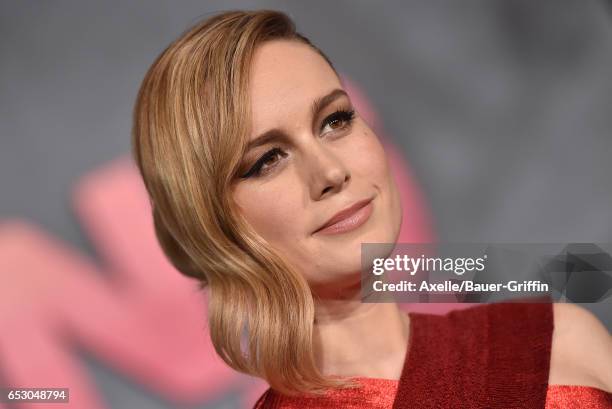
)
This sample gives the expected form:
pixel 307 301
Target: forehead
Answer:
pixel 286 76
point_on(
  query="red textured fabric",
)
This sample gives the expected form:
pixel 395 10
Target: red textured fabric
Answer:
pixel 491 355
pixel 488 356
pixel 576 396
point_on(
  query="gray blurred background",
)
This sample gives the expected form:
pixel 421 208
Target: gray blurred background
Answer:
pixel 503 108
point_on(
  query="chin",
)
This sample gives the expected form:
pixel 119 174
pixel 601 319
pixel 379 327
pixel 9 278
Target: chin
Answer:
pixel 382 233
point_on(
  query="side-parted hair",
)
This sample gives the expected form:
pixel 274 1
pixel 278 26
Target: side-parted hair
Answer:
pixel 190 129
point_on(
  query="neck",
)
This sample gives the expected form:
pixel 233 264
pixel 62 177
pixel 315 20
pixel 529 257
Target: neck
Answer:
pixel 352 338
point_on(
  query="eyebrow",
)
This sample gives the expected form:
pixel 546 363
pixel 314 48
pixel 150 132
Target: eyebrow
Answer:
pixel 317 106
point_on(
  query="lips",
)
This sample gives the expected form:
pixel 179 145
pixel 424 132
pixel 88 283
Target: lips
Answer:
pixel 345 214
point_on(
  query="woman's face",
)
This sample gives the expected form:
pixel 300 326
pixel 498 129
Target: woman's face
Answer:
pixel 317 161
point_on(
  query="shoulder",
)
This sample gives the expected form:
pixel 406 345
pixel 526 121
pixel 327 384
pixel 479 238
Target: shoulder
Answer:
pixel 581 351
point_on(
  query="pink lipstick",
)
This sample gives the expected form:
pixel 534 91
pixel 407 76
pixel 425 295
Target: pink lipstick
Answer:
pixel 348 219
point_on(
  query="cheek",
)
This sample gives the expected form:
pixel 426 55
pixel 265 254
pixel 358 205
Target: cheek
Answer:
pixel 369 163
pixel 276 215
pixel 271 213
pixel 368 160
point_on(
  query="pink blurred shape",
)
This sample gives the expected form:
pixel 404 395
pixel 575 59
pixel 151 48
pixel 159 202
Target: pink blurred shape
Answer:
pixel 136 314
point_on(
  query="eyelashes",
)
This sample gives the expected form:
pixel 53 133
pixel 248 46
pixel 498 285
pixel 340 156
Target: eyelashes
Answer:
pixel 256 169
pixel 340 115
pixel 264 163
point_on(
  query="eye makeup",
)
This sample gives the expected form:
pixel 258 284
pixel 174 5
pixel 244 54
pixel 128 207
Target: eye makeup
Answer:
pixel 340 115
pixel 258 166
pixel 266 162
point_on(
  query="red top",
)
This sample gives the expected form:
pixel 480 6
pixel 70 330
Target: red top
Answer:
pixel 487 356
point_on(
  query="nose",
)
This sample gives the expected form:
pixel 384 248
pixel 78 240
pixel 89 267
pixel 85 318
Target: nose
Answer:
pixel 329 174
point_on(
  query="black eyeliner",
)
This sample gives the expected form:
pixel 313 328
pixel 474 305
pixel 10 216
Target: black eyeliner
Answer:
pixel 257 165
pixel 341 114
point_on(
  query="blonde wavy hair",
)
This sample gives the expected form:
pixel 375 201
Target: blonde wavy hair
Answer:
pixel 190 130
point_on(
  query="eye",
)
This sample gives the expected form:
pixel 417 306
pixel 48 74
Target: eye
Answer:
pixel 338 120
pixel 266 162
